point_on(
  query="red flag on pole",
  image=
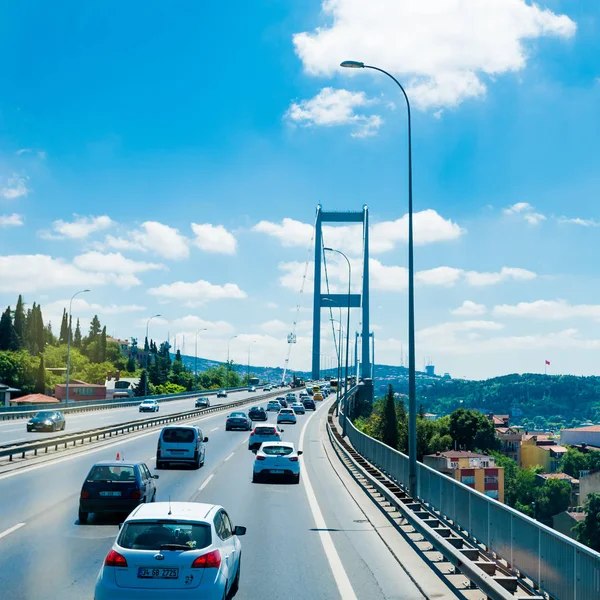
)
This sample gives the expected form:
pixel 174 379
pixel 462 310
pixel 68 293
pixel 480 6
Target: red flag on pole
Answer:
pixel 547 362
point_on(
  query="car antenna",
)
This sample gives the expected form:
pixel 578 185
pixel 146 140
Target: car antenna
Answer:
pixel 169 504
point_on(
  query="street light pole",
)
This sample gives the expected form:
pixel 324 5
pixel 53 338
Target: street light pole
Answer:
pixel 69 346
pixel 228 342
pixel 344 428
pixel 339 365
pixel 147 353
pixel 412 387
pixel 196 358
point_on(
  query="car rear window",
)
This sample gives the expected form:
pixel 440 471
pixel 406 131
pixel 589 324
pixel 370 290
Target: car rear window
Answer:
pixel 265 430
pixel 286 411
pixel 140 535
pixel 237 415
pixel 277 450
pixel 111 473
pixel 177 435
pixel 47 414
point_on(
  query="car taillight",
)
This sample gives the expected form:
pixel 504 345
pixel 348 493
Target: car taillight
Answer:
pixel 294 458
pixel 85 494
pixel 260 457
pixel 136 494
pixel 114 559
pixel 212 560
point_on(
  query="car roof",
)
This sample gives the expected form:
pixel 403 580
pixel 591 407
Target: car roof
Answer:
pixel 173 510
pixel 117 463
pixel 288 444
pixel 179 427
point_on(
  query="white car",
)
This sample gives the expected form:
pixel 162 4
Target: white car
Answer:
pixel 276 458
pixel 286 415
pixel 173 549
pixel 149 406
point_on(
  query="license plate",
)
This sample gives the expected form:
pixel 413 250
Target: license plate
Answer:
pixel 277 471
pixel 160 573
pixel 110 493
pixel 176 451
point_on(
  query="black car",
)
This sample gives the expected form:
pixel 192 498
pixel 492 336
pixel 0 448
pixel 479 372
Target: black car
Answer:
pixel 116 487
pixel 47 420
pixel 238 420
pixel 283 402
pixel 202 403
pixel 258 413
pixel 309 404
pixel 221 394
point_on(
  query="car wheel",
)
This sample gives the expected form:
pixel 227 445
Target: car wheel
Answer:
pixel 296 479
pixel 83 516
pixel 256 478
pixel 160 464
pixel 235 586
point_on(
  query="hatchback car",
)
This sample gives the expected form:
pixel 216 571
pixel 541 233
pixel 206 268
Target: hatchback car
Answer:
pixel 309 404
pixel 221 394
pixel 202 403
pixel 286 415
pixel 298 408
pixel 116 487
pixel 165 550
pixel 238 420
pixel 276 458
pixel 181 444
pixel 258 413
pixel 149 406
pixel 252 388
pixel 47 420
pixel 264 433
pixel 273 405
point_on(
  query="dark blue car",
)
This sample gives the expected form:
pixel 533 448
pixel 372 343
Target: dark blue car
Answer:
pixel 116 487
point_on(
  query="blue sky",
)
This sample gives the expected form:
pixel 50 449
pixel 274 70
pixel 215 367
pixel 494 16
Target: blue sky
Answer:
pixel 171 160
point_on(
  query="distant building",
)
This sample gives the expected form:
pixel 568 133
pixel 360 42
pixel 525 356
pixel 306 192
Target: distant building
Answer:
pixel 123 344
pixel 121 387
pixel 80 391
pixel 430 370
pixel 589 483
pixel 509 437
pixel 565 521
pixel 5 392
pixel 430 417
pixel 478 471
pixel 540 449
pixel 36 399
pixel 589 435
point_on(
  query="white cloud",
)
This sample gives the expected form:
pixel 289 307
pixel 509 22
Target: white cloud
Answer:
pixel 113 263
pixel 469 309
pixel 214 238
pixel 429 227
pixel 336 107
pixel 443 49
pixel 16 186
pixel 80 228
pixel 196 293
pixel 578 221
pixel 13 220
pixel 445 276
pixel 162 240
pixel 479 279
pixel 119 243
pixel 272 305
pixel 274 326
pixel 548 310
pixel 526 211
pixel 81 306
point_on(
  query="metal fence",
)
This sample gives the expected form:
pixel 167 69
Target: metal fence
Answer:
pixel 560 566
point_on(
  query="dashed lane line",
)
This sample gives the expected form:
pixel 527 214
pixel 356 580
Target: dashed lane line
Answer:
pixel 206 482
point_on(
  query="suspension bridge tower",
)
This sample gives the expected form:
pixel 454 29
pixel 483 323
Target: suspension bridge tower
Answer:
pixel 340 300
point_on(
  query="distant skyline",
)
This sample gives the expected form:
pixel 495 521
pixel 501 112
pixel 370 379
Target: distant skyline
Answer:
pixel 171 161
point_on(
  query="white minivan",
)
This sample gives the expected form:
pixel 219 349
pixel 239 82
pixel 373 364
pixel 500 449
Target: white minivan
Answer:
pixel 180 444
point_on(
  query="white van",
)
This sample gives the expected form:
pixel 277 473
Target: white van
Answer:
pixel 180 444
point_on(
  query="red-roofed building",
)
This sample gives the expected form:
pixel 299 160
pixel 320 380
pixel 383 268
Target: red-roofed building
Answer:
pixel 80 391
pixel 36 399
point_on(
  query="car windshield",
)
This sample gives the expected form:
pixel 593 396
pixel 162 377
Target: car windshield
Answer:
pixel 148 402
pixel 237 415
pixel 44 414
pixel 111 473
pixel 178 435
pixel 277 450
pixel 265 430
pixel 138 535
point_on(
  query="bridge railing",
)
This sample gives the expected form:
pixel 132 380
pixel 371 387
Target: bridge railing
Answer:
pixel 558 565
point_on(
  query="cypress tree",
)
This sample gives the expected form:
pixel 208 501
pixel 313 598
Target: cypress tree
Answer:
pixel 77 336
pixel 8 335
pixel 40 382
pixel 95 330
pixel 40 332
pixel 19 322
pixel 178 356
pixel 64 328
pixel 389 425
pixel 50 339
pixel 102 346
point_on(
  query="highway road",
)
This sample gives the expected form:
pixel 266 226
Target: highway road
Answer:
pixel 15 432
pixel 304 541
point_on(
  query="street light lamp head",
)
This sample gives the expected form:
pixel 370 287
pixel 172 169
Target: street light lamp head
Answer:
pixel 329 249
pixel 352 64
pixel 86 290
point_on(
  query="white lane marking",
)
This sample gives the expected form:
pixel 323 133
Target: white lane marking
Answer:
pixel 339 573
pixel 214 429
pixel 206 482
pixel 11 529
pixel 229 457
pixel 151 457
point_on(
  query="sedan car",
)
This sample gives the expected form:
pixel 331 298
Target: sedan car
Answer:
pixel 252 388
pixel 286 415
pixel 47 420
pixel 264 433
pixel 298 408
pixel 267 388
pixel 276 459
pixel 238 420
pixel 149 406
pixel 116 487
pixel 221 394
pixel 165 550
pixel 309 404
pixel 273 405
pixel 290 397
pixel 258 413
pixel 202 403
pixel 282 402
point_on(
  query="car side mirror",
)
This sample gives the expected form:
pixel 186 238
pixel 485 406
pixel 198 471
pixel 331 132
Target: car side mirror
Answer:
pixel 205 440
pixel 254 450
pixel 120 525
pixel 282 430
pixel 300 452
pixel 155 476
pixel 239 530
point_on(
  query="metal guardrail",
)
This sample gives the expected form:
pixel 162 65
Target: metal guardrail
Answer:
pixel 561 567
pixel 18 412
pixel 91 435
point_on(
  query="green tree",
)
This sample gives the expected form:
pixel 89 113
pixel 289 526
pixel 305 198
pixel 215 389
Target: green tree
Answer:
pixel 102 346
pixel 472 430
pixel 77 337
pixel 141 386
pixel 64 328
pixel 553 497
pixel 421 411
pixel 18 369
pixel 40 383
pixel 19 323
pixel 8 335
pixel 511 470
pixel 131 365
pixel 574 461
pixel 389 426
pixel 588 530
pixel 50 338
